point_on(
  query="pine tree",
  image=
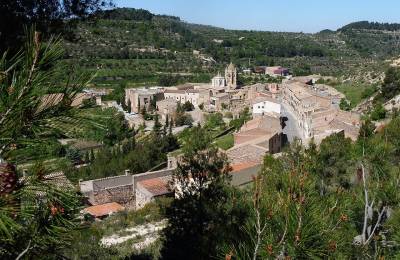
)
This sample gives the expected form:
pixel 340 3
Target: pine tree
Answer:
pixel 167 120
pixel 129 108
pixel 87 157
pixel 36 216
pixel 157 126
pixel 200 219
pixel 92 156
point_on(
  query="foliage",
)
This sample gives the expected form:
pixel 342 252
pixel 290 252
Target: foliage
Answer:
pixel 136 156
pixel 355 93
pixel 125 14
pixel 333 161
pixel 164 52
pixel 30 114
pixel 371 26
pixel 353 216
pixel 290 218
pixel 182 118
pixel 36 214
pixel 204 215
pixel 187 106
pixel 74 156
pixel 225 142
pixel 378 112
pixel 244 116
pixel 345 104
pixel 48 15
pixel 108 126
pixel 86 243
pixel 215 121
pixel 391 84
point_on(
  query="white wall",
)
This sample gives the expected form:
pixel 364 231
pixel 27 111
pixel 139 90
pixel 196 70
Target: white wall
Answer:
pixel 266 107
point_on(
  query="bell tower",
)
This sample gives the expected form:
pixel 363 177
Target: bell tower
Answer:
pixel 231 77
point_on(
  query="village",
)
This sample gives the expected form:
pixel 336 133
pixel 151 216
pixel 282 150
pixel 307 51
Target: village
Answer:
pixel 297 108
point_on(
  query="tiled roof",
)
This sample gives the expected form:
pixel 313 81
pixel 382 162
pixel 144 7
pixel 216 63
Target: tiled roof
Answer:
pixel 156 186
pixel 246 154
pixel 104 209
pixel 266 123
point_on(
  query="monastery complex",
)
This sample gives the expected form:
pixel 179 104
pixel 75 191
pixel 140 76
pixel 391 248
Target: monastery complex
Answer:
pixel 296 107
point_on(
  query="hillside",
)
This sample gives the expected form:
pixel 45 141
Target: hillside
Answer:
pixel 137 47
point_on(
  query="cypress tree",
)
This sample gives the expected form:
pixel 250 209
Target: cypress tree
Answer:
pixel 92 158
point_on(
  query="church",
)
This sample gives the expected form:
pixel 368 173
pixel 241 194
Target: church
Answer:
pixel 229 82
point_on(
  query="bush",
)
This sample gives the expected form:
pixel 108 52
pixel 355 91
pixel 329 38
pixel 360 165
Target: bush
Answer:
pixel 345 104
pixel 182 119
pixel 187 106
pixel 378 112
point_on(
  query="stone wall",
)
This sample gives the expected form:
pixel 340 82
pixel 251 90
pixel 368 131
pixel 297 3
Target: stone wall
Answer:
pixel 141 198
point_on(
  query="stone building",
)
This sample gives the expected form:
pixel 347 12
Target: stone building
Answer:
pixel 231 77
pixel 276 71
pixel 122 189
pixel 264 131
pixel 317 112
pixel 167 107
pixel 266 106
pixel 139 98
pixel 191 95
pixel 220 101
pixel 218 81
pixel 272 90
pixel 150 189
pixel 258 137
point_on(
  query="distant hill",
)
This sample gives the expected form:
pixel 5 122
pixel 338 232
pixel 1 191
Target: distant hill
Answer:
pixel 365 25
pixel 138 47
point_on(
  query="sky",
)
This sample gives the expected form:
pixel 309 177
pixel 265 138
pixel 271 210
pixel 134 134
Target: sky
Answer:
pixel 273 15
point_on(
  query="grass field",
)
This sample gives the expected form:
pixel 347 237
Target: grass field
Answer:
pixel 225 142
pixel 356 93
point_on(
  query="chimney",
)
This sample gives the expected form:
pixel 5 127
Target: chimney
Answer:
pixel 25 173
pixel 127 172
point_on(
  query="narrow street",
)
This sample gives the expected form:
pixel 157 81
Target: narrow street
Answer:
pixel 291 129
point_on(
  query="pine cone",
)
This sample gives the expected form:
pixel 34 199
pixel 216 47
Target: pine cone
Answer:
pixel 8 178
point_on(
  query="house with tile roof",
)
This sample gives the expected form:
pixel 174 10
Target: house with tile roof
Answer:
pixel 150 189
pixel 258 137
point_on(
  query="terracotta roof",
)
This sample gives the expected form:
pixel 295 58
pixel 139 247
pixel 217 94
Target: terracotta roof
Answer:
pixel 266 123
pixel 246 153
pixel 242 166
pixel 156 186
pixel 104 209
